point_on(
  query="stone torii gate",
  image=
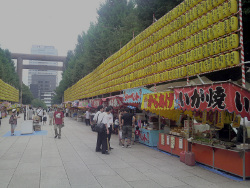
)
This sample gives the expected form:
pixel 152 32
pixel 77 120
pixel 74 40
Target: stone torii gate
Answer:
pixel 20 57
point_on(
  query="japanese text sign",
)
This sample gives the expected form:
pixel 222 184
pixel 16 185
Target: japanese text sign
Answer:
pixel 134 95
pixel 95 102
pixel 158 101
pixel 116 102
pixel 83 104
pixel 221 97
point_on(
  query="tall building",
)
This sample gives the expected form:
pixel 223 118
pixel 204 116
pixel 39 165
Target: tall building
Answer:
pixel 43 86
pixel 43 83
pixel 43 50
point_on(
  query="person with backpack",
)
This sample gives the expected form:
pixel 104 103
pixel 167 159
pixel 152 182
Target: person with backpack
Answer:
pixel 13 121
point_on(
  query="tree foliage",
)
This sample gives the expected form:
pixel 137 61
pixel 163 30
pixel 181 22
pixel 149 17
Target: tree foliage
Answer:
pixel 118 21
pixel 37 102
pixel 7 69
pixel 27 96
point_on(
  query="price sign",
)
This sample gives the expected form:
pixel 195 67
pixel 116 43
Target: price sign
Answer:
pixel 172 142
pixel 180 143
pixel 168 140
pixel 162 139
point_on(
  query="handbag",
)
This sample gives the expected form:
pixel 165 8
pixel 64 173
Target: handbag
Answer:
pixel 100 127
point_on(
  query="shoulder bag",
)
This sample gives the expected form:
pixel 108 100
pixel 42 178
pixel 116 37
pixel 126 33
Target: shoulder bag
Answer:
pixel 100 127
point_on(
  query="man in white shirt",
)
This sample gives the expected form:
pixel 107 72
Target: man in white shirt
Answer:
pixel 101 137
pixel 39 113
pixel 110 122
pixel 87 117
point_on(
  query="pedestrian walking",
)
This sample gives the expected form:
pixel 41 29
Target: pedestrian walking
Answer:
pixel 128 121
pixel 58 122
pixel 44 118
pixel 87 117
pixel 39 113
pixel 13 121
pixel 120 125
pixel 30 113
pixel 51 116
pixel 67 112
pixel 110 123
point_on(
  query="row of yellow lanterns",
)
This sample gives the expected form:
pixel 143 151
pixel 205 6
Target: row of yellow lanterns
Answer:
pixel 210 17
pixel 8 92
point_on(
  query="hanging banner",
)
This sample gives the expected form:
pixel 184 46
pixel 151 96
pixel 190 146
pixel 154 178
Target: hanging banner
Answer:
pixel 83 104
pixel 134 95
pixel 218 96
pixel 158 101
pixel 236 121
pixel 95 102
pixel 116 102
pixel 220 119
pixel 204 117
pixel 75 104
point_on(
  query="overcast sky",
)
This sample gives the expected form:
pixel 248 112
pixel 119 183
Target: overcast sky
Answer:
pixel 44 22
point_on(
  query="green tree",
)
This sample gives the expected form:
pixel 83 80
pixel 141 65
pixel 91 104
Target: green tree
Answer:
pixel 37 102
pixel 7 69
pixel 27 96
pixel 147 8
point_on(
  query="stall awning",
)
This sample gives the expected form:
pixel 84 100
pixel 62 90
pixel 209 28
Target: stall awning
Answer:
pixel 134 95
pixel 217 96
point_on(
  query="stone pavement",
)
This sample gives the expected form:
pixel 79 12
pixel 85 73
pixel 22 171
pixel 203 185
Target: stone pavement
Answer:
pixel 45 162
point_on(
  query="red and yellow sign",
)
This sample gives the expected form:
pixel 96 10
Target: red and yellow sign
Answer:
pixel 158 101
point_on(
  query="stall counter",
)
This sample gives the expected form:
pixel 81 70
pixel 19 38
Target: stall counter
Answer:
pixel 149 137
pixel 224 159
pixel 172 144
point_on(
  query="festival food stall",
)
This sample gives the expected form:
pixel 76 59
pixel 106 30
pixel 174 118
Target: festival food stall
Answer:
pixel 133 98
pixel 216 110
pixel 158 104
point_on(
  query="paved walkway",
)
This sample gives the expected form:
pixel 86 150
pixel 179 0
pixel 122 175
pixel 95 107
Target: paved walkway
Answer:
pixel 45 162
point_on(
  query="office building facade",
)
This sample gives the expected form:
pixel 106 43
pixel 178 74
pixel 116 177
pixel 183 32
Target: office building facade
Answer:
pixel 43 50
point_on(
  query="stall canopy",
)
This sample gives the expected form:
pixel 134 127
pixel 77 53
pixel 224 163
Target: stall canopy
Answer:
pixel 217 96
pixel 134 95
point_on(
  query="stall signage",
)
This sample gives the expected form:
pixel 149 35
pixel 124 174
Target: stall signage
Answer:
pixel 172 142
pixel 158 101
pixel 219 96
pixel 144 137
pixel 168 140
pixel 95 102
pixel 180 143
pixel 134 95
pixel 116 102
pixel 75 103
pixel 162 139
pixel 83 104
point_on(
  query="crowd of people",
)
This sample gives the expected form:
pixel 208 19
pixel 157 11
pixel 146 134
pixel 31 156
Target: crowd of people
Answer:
pixel 56 117
pixel 122 124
